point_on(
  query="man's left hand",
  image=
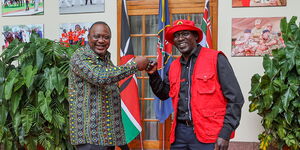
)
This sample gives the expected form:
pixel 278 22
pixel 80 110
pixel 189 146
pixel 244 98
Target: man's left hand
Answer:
pixel 222 144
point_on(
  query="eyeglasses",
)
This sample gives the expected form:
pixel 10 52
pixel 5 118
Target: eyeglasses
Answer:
pixel 182 33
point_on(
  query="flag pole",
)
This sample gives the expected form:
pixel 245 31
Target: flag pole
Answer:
pixel 141 141
pixel 163 53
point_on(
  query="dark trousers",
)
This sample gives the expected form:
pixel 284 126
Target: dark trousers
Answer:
pixel 86 1
pixel 186 139
pixel 123 147
pixel 90 147
pixel 98 147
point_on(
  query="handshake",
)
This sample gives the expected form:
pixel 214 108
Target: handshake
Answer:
pixel 144 63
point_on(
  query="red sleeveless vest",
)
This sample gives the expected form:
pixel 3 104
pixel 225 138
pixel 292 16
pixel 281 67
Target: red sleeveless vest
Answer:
pixel 208 105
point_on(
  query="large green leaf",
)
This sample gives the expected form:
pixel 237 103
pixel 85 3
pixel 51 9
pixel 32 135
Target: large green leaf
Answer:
pixel 14 49
pixel 268 100
pixel 54 78
pixel 288 115
pixel 27 120
pixel 255 84
pixel 58 120
pixel 287 97
pixel 281 132
pixel 18 84
pixel 292 23
pixel 270 66
pixel 48 76
pixel 29 73
pixel 298 64
pixel 39 58
pixel 290 140
pixel 60 83
pixel 11 80
pixel 254 106
pixel 44 104
pixel 46 140
pixel 16 123
pixel 15 100
pixel 265 82
pixel 3 114
pixel 2 79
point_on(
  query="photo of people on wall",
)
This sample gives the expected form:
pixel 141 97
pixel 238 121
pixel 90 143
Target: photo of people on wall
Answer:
pixel 74 33
pixel 21 33
pixel 80 6
pixel 22 7
pixel 256 36
pixel 258 3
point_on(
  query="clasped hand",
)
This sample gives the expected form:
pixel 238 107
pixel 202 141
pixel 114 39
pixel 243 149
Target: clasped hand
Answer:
pixel 144 63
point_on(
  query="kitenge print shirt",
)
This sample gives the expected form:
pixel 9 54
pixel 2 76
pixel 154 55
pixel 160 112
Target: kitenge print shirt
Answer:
pixel 94 99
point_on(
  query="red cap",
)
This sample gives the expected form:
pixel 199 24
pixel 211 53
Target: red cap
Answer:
pixel 180 25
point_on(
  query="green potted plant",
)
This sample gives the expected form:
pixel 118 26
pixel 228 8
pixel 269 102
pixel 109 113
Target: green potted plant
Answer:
pixel 33 95
pixel 275 95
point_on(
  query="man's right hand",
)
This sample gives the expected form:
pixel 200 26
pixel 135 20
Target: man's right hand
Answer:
pixel 142 62
pixel 151 67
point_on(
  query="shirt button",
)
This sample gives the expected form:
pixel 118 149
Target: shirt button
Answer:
pixel 187 83
pixel 186 99
pixel 186 113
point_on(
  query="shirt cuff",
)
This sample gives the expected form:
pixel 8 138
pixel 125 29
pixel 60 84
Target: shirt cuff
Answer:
pixel 153 75
pixel 225 132
pixel 132 65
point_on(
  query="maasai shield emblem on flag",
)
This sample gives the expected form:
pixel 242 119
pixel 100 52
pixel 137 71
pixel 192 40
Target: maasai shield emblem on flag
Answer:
pixel 128 86
pixel 164 49
pixel 206 27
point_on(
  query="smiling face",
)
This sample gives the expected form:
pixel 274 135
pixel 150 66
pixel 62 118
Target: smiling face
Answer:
pixel 185 41
pixel 99 39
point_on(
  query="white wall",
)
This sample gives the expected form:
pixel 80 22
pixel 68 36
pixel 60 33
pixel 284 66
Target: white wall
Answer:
pixel 52 19
pixel 245 67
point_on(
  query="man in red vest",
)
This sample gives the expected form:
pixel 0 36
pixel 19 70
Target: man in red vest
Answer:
pixel 206 96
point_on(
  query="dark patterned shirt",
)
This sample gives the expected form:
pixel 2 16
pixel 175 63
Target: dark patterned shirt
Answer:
pixel 94 98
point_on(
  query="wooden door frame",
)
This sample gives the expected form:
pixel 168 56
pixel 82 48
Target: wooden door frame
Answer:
pixel 175 7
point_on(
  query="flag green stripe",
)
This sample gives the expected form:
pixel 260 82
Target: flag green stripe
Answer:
pixel 130 130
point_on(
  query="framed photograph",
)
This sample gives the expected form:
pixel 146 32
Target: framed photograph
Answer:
pixel 258 3
pixel 21 32
pixel 255 36
pixel 74 33
pixel 22 7
pixel 81 6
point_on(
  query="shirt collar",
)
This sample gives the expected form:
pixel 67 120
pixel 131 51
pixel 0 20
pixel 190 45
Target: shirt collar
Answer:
pixel 91 53
pixel 195 53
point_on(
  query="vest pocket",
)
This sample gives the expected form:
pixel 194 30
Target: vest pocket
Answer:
pixel 214 120
pixel 205 83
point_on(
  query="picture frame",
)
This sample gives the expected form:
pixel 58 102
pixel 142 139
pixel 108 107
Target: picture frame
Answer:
pixel 20 32
pixel 255 36
pixel 22 7
pixel 81 6
pixel 74 33
pixel 258 3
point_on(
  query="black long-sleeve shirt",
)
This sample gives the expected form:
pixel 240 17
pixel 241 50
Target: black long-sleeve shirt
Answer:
pixel 228 82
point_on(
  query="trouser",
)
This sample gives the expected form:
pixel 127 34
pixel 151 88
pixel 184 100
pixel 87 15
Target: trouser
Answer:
pixel 123 147
pixel 98 147
pixel 86 1
pixel 90 147
pixel 186 139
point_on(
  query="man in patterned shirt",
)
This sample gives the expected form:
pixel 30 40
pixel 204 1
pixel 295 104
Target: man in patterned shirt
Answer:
pixel 94 96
